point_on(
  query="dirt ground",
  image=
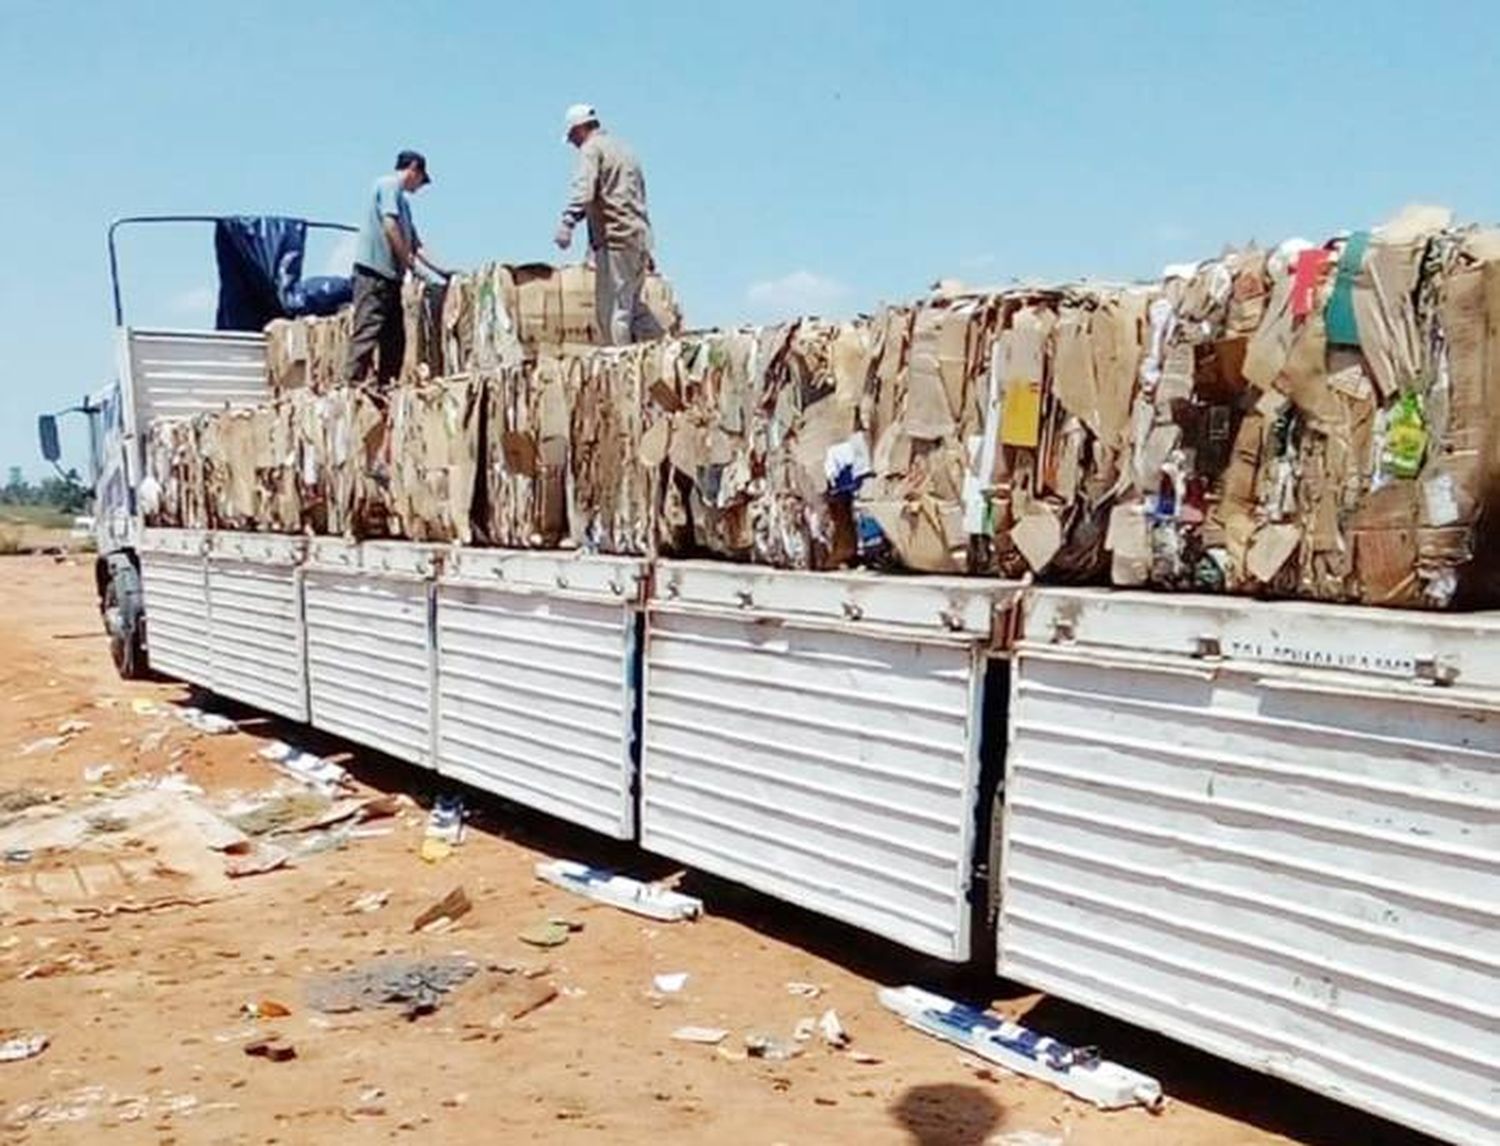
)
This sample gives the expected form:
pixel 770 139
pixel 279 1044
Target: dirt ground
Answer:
pixel 144 1010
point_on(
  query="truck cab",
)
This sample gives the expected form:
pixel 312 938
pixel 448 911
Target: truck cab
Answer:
pixel 166 373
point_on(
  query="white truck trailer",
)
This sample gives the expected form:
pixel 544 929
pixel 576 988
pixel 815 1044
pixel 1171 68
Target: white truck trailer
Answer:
pixel 1268 830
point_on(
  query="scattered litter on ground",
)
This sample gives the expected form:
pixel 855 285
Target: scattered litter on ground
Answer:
pixel 518 998
pixel 45 744
pixel 19 855
pixel 19 799
pixel 415 985
pixel 708 1036
pixel 265 1009
pixel 1026 1138
pixel 73 727
pixel 369 1104
pixel 371 901
pixel 175 782
pixel 153 741
pixel 143 707
pixel 18 1049
pixel 832 1030
pixel 805 1029
pixel 434 851
pixel 275 1049
pixel 650 899
pixel 770 1048
pixel 307 768
pixel 208 723
pixel 545 933
pixel 1078 1070
pixel 445 825
pixel 865 1058
pixel 97 773
pixel 277 811
pixel 70 963
pixel 451 907
pixel 258 859
pixel 670 983
pixel 804 990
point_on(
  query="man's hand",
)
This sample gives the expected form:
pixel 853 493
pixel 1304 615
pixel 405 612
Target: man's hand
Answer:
pixel 564 236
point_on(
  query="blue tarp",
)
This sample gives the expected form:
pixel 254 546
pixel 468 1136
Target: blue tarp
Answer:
pixel 260 260
pixel 260 273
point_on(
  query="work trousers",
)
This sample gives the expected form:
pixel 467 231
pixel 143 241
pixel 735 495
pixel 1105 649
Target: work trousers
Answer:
pixel 378 336
pixel 619 274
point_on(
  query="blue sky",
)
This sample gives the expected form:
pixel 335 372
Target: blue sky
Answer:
pixel 800 156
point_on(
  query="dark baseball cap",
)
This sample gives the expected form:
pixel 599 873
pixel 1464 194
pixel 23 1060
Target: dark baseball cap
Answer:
pixel 409 158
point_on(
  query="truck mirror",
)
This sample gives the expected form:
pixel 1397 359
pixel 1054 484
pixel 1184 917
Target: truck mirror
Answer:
pixel 46 430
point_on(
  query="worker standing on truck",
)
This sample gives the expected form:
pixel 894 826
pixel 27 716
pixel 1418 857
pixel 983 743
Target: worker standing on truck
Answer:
pixel 388 247
pixel 610 192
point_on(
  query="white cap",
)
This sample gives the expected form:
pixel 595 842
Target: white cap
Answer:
pixel 578 115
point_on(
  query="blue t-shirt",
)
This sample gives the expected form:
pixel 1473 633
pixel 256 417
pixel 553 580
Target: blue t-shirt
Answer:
pixel 387 198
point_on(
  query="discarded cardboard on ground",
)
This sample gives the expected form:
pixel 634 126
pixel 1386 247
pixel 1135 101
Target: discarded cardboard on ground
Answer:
pixel 160 858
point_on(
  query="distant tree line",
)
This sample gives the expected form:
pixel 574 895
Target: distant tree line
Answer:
pixel 66 494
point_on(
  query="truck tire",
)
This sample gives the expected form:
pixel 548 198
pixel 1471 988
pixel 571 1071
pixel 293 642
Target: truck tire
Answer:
pixel 123 608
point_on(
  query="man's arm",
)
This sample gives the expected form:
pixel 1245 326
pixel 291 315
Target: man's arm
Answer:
pixel 580 194
pixel 397 240
pixel 426 260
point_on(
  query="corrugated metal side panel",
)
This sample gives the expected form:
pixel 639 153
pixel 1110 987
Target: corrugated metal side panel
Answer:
pixel 177 375
pixel 832 770
pixel 535 702
pixel 369 667
pixel 256 636
pixel 1301 882
pixel 177 619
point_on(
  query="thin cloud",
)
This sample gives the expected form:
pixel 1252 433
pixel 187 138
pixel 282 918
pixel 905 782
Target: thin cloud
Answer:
pixel 802 292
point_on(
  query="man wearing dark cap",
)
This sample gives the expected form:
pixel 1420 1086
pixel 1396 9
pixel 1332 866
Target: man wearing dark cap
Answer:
pixel 388 247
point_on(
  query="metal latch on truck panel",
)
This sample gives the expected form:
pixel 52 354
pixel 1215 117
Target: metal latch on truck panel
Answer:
pixel 1208 648
pixel 1435 670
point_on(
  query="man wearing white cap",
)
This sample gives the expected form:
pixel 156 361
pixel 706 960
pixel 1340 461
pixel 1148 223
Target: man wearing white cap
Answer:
pixel 610 192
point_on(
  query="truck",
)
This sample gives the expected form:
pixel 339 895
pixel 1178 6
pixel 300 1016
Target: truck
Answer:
pixel 1266 829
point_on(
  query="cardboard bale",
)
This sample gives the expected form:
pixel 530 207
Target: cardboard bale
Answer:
pixel 610 510
pixel 172 495
pixel 435 451
pixel 422 320
pixel 1342 448
pixel 1000 429
pixel 503 314
pixel 696 440
pixel 807 455
pixel 525 456
pixel 309 352
pixel 286 354
pixel 357 463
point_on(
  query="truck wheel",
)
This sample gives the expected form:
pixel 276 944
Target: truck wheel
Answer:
pixel 125 621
